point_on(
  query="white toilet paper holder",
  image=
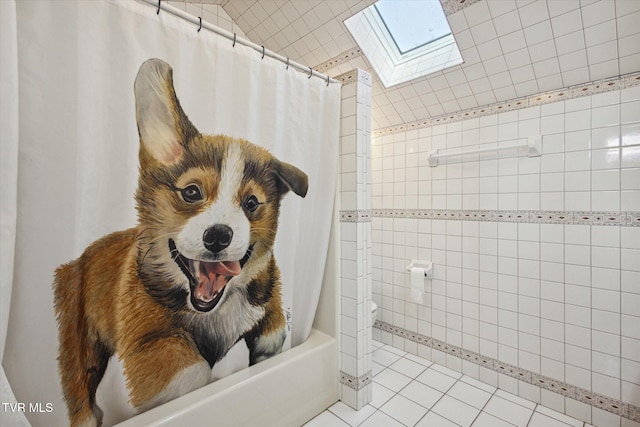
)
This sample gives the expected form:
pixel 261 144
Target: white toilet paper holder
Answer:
pixel 428 267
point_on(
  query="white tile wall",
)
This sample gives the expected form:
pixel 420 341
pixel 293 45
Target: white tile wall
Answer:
pixel 559 300
pixel 211 13
pixel 309 32
pixel 355 203
pixel 514 49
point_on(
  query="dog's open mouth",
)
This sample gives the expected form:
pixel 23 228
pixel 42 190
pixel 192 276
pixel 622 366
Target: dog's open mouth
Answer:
pixel 207 279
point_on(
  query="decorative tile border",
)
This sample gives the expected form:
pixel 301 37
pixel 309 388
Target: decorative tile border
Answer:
pixel 348 77
pixel 609 404
pixel 355 215
pixel 623 219
pixel 353 76
pixel 356 383
pixel 338 60
pixel 452 6
pixel 591 88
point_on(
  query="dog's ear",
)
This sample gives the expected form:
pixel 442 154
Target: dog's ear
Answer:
pixel 290 178
pixel 162 125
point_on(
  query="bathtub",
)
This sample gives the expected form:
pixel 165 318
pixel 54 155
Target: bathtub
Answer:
pixel 286 390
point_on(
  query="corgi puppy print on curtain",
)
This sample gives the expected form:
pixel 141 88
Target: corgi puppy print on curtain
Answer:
pixel 172 295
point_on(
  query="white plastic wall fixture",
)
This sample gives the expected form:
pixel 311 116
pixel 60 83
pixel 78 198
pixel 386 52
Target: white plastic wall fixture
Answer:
pixel 427 265
pixel 533 146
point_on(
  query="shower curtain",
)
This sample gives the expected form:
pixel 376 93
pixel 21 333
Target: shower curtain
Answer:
pixel 70 163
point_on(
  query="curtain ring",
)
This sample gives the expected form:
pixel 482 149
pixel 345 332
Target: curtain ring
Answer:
pixel 200 27
pixel 158 11
pixel 327 80
pixel 310 72
pixel 287 64
pixel 262 52
pixel 234 40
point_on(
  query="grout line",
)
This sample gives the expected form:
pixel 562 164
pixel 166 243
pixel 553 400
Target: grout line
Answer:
pixel 485 405
pixel 436 402
pixel 533 412
pixel 372 414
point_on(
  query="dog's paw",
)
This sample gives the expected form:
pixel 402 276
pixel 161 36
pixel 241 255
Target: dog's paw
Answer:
pixel 189 379
pixel 89 422
pixel 266 346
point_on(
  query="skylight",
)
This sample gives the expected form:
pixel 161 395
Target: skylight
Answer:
pixel 405 39
pixel 411 23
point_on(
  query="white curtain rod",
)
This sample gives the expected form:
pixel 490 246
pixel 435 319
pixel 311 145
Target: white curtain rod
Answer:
pixel 232 36
pixel 533 146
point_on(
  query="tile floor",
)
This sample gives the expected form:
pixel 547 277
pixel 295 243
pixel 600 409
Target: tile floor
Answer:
pixel 412 391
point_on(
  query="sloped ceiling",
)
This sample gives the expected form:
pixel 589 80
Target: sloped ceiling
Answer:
pixel 511 48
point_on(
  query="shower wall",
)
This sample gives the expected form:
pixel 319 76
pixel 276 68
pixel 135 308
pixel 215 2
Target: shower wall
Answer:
pixel 536 283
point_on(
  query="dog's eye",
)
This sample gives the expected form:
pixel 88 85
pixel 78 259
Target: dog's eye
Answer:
pixel 251 204
pixel 191 193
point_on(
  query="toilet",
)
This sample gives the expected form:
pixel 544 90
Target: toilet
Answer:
pixel 374 312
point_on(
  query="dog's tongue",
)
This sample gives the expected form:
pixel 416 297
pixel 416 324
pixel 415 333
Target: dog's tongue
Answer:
pixel 212 277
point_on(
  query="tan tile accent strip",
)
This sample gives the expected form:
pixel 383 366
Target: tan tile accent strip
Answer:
pixel 623 219
pixel 355 215
pixel 348 77
pixel 452 6
pixel 592 88
pixel 626 410
pixel 337 60
pixel 356 383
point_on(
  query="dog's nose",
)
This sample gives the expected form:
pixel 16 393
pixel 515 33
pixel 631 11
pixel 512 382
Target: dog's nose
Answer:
pixel 217 238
